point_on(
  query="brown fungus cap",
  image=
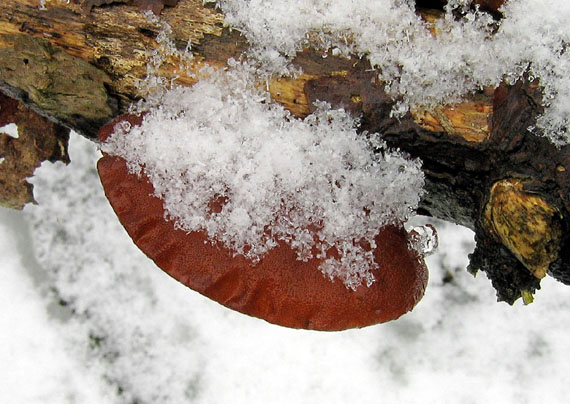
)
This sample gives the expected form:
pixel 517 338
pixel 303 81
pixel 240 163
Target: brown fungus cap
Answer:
pixel 279 288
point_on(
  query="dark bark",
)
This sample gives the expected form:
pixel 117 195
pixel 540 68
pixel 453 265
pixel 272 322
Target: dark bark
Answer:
pixel 460 175
pixel 38 140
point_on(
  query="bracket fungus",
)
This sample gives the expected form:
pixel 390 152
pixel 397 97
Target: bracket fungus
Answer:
pixel 278 287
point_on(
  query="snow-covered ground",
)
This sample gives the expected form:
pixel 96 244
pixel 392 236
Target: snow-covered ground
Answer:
pixel 85 317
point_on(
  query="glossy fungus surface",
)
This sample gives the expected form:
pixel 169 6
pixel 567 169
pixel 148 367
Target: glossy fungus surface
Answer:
pixel 279 288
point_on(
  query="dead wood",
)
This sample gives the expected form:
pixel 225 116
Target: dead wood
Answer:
pixel 79 66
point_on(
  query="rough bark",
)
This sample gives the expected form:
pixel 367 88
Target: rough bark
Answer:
pixel 484 168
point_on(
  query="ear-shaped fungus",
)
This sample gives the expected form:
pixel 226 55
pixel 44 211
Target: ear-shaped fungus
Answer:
pixel 279 288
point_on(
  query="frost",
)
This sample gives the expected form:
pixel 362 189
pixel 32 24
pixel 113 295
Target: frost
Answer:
pixel 537 33
pixel 315 184
pixel 419 69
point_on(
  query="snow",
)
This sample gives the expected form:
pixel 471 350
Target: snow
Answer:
pixel 87 318
pixel 36 367
pixel 281 177
pixel 128 325
pixel 11 130
pixel 419 69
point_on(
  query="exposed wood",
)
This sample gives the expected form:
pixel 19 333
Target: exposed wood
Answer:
pixel 156 6
pixel 468 120
pixel 81 69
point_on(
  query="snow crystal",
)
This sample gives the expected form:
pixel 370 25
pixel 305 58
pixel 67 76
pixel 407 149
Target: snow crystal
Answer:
pixel 153 86
pixel 315 184
pixel 419 69
pixel 536 34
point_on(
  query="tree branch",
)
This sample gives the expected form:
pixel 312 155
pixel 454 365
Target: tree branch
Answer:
pixel 484 168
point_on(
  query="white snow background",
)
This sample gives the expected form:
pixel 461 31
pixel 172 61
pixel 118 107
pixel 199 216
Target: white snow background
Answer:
pixel 129 333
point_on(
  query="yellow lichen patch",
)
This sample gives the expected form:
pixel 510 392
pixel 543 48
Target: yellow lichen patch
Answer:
pixel 467 120
pixel 290 93
pixel 525 223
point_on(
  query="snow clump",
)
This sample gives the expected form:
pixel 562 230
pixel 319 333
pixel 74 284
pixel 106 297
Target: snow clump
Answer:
pixel 11 130
pixel 420 69
pixel 314 184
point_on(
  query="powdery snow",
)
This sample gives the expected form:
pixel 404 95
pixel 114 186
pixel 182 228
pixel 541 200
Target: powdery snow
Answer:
pixel 314 183
pixel 133 327
pixel 130 333
pixel 35 366
pixel 418 68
